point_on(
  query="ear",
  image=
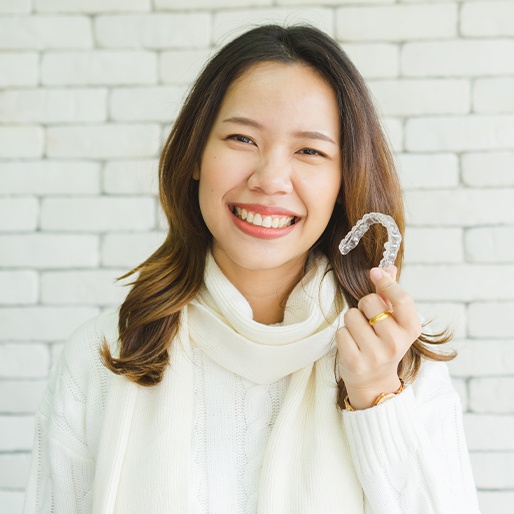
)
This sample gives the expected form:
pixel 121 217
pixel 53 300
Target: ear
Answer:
pixel 196 173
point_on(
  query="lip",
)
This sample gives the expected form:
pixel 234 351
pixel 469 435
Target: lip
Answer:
pixel 261 232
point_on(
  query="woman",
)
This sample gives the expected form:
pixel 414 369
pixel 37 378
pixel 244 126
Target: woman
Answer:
pixel 251 367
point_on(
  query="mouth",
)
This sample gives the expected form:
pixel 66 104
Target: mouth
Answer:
pixel 263 220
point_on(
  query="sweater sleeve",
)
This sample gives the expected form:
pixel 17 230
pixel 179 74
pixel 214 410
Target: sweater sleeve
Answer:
pixel 410 452
pixel 67 427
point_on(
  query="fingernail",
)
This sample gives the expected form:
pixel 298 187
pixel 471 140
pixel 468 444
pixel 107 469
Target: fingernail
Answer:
pixel 390 270
pixel 376 273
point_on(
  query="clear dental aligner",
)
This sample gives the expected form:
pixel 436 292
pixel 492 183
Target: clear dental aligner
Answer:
pixel 361 227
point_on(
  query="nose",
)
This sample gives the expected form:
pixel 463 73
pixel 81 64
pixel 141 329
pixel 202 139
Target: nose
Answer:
pixel 272 175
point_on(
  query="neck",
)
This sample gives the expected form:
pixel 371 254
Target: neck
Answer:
pixel 266 290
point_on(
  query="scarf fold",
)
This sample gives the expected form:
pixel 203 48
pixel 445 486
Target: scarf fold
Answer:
pixel 221 324
pixel 145 449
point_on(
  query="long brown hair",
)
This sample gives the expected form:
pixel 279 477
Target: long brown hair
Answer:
pixel 171 277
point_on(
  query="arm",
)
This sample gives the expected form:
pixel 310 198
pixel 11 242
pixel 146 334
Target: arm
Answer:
pixel 63 463
pixel 410 452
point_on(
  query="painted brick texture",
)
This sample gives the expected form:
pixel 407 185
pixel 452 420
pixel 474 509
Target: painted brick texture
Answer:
pixel 88 91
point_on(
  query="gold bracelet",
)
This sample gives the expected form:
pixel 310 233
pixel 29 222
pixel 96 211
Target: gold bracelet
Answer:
pixel 382 397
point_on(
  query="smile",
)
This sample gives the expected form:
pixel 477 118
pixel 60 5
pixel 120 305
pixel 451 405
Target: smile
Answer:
pixel 263 221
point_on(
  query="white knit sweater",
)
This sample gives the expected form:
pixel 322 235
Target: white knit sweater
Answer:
pixel 409 453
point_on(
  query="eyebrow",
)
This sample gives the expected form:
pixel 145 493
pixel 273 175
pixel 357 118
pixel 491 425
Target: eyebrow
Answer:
pixel 308 134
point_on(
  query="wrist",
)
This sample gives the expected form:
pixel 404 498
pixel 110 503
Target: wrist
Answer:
pixel 365 397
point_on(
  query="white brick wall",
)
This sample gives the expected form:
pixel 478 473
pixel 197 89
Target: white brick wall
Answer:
pixel 88 90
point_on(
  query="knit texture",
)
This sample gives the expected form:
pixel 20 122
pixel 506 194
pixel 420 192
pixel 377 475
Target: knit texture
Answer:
pixel 208 439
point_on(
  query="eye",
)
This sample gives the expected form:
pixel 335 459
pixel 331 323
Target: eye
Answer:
pixel 311 151
pixel 241 139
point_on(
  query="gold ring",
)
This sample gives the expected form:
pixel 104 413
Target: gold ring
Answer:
pixel 380 317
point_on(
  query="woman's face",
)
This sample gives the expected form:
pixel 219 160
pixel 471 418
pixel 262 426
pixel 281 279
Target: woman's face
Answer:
pixel 271 169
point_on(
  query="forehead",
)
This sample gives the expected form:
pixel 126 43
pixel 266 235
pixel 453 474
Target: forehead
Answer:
pixel 274 89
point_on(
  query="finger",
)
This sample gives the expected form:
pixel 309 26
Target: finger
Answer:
pixel 402 303
pixel 360 330
pixel 347 345
pixel 372 305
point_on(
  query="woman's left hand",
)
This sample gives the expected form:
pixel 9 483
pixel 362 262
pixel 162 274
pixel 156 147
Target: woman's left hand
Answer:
pixel 369 355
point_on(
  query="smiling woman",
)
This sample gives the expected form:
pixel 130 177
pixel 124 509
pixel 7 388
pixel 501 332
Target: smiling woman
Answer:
pixel 279 377
pixel 282 166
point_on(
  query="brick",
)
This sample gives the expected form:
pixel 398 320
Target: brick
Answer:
pixel 444 315
pixel 20 396
pixel 91 6
pixel 19 69
pixel 48 251
pixel 428 171
pixel 458 58
pixel 42 323
pixel 11 501
pixel 487 19
pixel 99 67
pixel 18 287
pixel 396 23
pixel 484 358
pixel 156 31
pixel 412 97
pixel 493 95
pixel 14 470
pixel 56 350
pixel 374 60
pixel 487 432
pixel 98 287
pixel 44 32
pixel 18 214
pixel 460 133
pixel 207 4
pixel 459 207
pixel 16 433
pixel 23 142
pixel 97 214
pixel 496 502
pixel 488 169
pixel 103 141
pixel 459 283
pixel 490 244
pixel 50 177
pixel 181 66
pixel 129 250
pixel 28 360
pixel 394 132
pixel 333 2
pixel 15 7
pixel 492 395
pixel 487 319
pixel 493 470
pixel 232 23
pixel 146 103
pixel 131 177
pixel 433 245
pixel 53 105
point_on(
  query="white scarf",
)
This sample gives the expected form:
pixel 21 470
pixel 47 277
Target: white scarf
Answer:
pixel 145 449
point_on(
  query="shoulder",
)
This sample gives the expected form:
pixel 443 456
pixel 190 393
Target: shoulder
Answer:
pixel 85 342
pixel 79 372
pixel 73 405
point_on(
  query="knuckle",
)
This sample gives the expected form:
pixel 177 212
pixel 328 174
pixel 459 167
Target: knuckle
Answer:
pixel 403 300
pixel 351 314
pixel 368 301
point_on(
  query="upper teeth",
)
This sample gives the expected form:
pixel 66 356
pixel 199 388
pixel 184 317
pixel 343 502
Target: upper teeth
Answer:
pixel 266 221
